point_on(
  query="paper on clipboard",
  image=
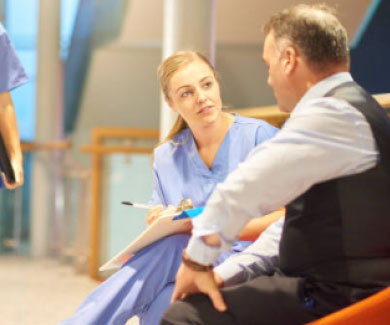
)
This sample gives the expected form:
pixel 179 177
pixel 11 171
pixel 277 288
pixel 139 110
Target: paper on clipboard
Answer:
pixel 162 227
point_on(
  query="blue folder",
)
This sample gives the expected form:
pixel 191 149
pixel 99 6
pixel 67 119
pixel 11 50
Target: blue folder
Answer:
pixel 190 213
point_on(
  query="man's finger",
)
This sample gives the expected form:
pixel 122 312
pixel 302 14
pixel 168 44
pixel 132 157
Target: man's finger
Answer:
pixel 175 295
pixel 217 300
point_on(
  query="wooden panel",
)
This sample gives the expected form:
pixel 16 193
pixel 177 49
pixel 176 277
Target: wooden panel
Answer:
pixel 115 133
pixel 96 198
pixel 272 115
pixel 108 149
pixel 28 146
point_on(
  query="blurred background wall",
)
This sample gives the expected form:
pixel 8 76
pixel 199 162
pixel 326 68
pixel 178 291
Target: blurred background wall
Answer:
pixel 98 68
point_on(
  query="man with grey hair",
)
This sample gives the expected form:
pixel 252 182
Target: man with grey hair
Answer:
pixel 330 166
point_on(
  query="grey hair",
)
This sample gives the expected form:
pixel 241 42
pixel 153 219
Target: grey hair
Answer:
pixel 314 30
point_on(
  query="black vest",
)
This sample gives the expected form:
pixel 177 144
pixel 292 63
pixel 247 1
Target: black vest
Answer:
pixel 339 231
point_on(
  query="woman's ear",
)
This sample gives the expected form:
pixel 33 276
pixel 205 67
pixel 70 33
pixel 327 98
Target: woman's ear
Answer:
pixel 170 104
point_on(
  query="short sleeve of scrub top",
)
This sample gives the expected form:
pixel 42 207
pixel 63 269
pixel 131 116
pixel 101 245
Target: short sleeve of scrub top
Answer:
pixel 12 73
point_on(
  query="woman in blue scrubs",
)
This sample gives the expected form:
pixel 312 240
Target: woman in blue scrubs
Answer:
pixel 203 147
pixel 12 75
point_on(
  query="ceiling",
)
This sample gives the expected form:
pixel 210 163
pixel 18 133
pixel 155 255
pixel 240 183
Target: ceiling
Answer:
pixel 238 21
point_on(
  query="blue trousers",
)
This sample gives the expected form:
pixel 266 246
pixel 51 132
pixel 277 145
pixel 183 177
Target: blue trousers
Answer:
pixel 143 286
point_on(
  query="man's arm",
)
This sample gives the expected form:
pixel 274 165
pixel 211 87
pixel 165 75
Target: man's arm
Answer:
pixel 10 134
pixel 328 139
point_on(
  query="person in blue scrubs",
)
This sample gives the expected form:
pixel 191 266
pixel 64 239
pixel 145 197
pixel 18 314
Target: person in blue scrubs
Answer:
pixel 12 75
pixel 203 147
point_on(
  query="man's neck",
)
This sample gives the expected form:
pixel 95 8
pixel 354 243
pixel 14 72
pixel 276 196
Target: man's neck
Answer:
pixel 318 76
pixel 312 77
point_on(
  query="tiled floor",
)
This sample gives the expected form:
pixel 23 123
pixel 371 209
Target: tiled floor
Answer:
pixel 40 291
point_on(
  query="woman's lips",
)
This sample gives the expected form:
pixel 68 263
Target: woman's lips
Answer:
pixel 205 110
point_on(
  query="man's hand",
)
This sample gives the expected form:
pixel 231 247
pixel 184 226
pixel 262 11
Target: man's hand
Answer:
pixel 189 282
pixel 218 280
pixel 17 166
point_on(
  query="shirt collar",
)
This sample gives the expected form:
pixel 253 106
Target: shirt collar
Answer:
pixel 321 88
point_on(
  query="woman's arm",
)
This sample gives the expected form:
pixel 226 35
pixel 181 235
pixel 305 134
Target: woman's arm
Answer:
pixel 9 131
pixel 256 226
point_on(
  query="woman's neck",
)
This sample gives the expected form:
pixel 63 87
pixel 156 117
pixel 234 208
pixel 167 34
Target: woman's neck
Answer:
pixel 209 139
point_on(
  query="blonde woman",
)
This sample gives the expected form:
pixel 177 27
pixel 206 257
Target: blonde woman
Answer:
pixel 203 147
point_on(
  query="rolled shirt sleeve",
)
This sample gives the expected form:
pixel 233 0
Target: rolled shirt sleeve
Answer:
pixel 261 257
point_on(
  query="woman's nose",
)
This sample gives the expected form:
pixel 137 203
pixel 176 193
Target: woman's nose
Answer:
pixel 201 96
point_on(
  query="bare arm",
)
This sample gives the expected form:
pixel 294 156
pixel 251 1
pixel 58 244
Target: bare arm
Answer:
pixel 256 226
pixel 9 131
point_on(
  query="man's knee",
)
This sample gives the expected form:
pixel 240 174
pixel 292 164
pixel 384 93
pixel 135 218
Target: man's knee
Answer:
pixel 175 314
pixel 195 309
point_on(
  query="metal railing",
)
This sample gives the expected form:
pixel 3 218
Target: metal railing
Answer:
pixel 68 216
pixel 98 149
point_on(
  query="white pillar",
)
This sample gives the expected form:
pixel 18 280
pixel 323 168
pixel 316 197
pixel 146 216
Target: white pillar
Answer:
pixel 48 75
pixel 188 25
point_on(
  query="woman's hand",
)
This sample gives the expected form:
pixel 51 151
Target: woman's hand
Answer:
pixel 157 211
pixel 17 166
pixel 153 214
pixel 179 226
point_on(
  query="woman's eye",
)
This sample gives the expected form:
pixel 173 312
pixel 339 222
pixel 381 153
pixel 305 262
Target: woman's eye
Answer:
pixel 208 84
pixel 185 94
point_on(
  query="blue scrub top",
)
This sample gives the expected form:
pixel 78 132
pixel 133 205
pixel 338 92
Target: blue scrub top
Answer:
pixel 12 73
pixel 180 172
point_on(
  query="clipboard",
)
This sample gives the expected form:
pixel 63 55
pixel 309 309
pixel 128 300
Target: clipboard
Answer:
pixel 5 162
pixel 162 227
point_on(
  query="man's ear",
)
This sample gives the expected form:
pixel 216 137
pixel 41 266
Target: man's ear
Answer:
pixel 290 59
pixel 169 103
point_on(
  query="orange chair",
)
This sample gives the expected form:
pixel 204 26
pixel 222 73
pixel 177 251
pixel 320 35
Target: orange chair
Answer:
pixel 374 310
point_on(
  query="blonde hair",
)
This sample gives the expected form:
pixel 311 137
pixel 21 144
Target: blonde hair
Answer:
pixel 167 69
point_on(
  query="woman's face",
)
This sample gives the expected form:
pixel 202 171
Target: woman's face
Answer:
pixel 194 93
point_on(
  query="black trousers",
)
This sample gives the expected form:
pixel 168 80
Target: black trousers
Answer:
pixel 266 300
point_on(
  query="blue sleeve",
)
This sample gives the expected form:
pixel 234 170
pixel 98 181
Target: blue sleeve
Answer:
pixel 264 132
pixel 157 196
pixel 12 73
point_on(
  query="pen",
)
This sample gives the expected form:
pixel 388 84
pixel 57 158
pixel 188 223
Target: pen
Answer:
pixel 148 207
pixel 138 205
